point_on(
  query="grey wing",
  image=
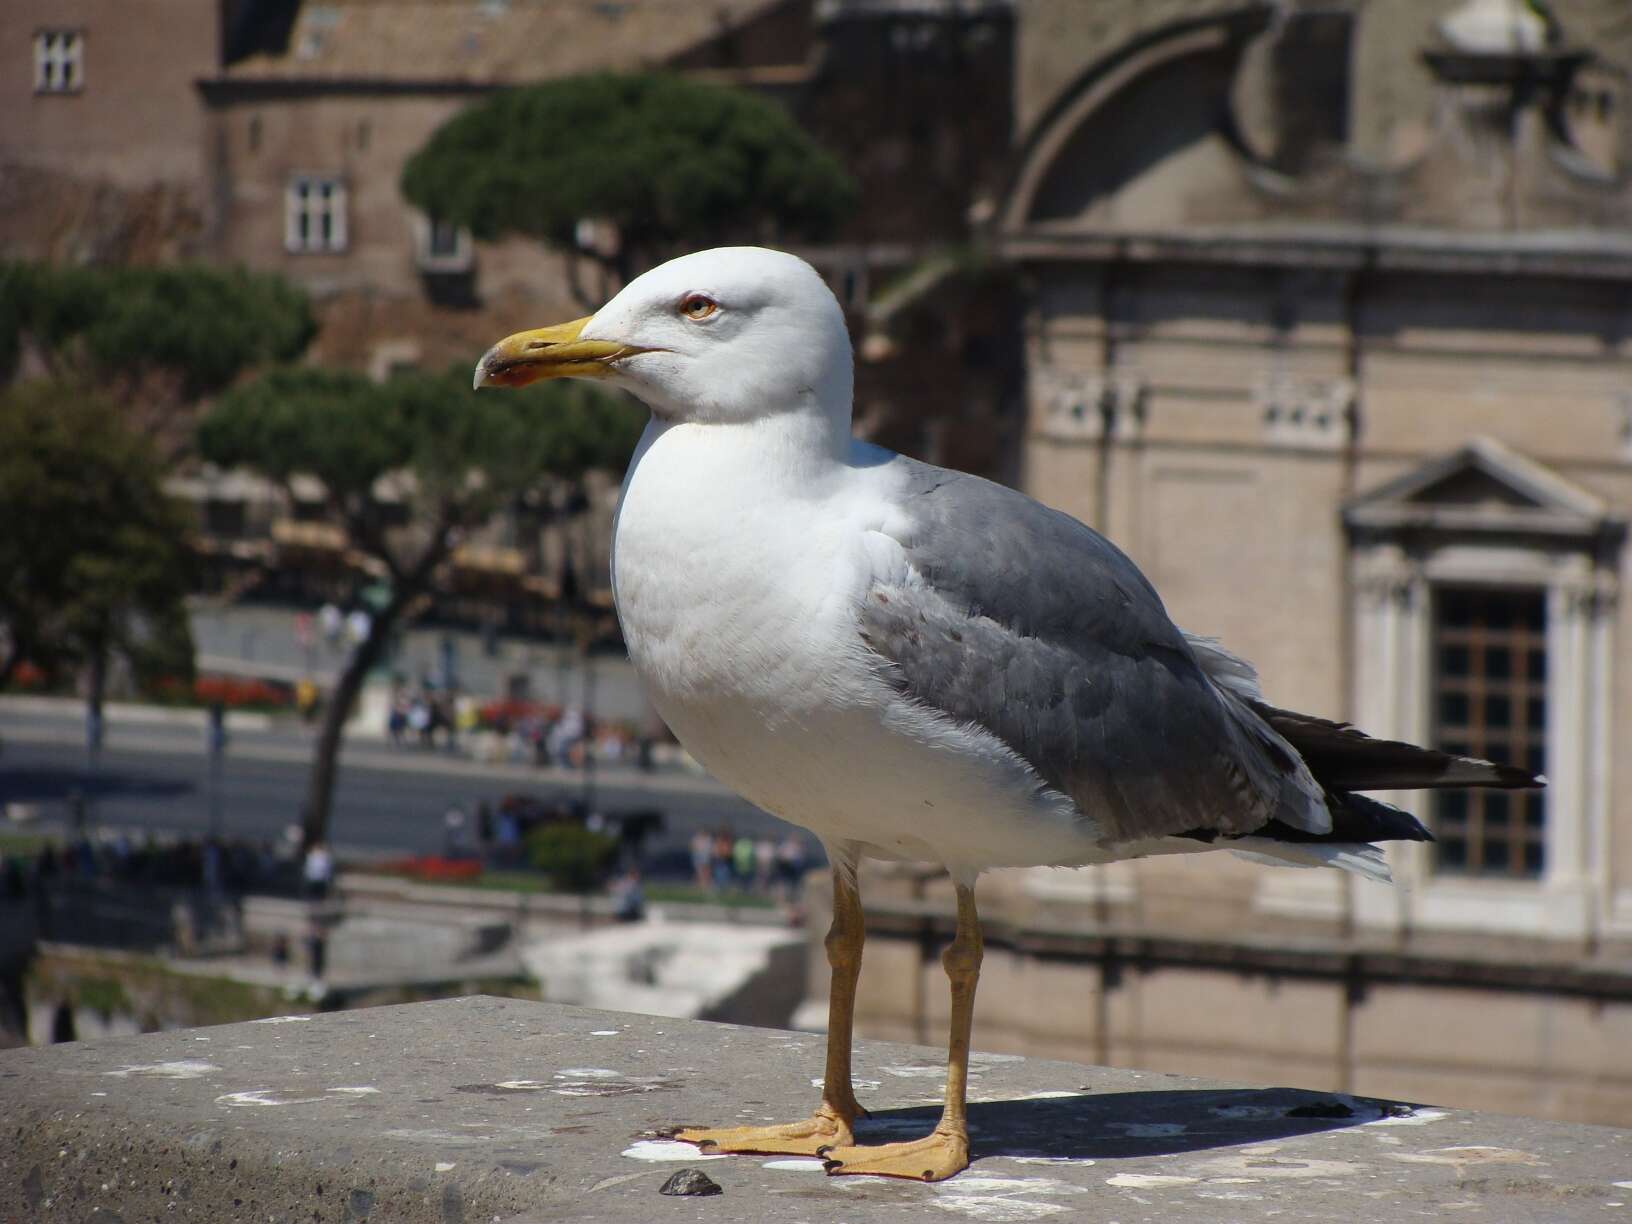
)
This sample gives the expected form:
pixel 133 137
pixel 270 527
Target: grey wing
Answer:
pixel 1025 622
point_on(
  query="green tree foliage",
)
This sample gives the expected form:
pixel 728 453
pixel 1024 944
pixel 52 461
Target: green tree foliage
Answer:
pixel 93 552
pixel 670 161
pixel 576 859
pixel 464 456
pixel 205 325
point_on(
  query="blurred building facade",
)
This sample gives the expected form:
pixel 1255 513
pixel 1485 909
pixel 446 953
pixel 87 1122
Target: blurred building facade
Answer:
pixel 1329 325
pixel 272 133
pixel 1324 315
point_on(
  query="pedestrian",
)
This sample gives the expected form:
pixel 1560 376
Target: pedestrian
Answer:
pixel 397 720
pixel 331 622
pixel 306 696
pixel 453 833
pixel 720 860
pixel 318 871
pixel 316 950
pixel 565 735
pixel 764 864
pixel 628 901
pixel 419 719
pixel 702 858
pixel 742 862
pixel 359 624
pixel 509 836
pixel 790 864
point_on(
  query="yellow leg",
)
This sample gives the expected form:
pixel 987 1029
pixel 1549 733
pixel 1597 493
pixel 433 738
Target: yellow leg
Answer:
pixel 831 1124
pixel 945 1150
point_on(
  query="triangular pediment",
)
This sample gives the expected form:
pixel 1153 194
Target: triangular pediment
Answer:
pixel 1483 486
pixel 1473 486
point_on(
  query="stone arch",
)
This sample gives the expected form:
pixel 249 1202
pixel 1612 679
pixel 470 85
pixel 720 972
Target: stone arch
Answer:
pixel 1189 64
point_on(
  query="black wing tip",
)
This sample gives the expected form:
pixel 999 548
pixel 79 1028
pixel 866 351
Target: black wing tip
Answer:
pixel 1422 833
pixel 1502 777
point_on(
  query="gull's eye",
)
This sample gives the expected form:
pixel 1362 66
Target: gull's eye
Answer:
pixel 696 307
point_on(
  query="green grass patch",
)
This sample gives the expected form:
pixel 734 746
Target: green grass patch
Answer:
pixel 143 987
pixel 26 844
pixel 496 881
pixel 102 994
pixel 692 895
pixel 513 881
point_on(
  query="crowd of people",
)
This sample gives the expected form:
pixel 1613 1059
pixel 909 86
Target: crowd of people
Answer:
pixel 422 714
pixel 723 862
pixel 217 865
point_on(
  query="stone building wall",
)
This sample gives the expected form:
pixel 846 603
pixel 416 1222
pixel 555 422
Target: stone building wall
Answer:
pixel 1229 348
pixel 1306 387
pixel 136 120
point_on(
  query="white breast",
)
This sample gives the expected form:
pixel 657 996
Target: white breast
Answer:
pixel 737 597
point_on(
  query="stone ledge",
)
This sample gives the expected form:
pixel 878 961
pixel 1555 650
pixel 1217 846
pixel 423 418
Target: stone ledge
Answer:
pixel 472 1110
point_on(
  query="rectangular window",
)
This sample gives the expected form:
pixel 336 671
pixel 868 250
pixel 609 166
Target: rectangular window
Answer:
pixel 315 214
pixel 442 246
pixel 59 61
pixel 1490 700
pixel 444 240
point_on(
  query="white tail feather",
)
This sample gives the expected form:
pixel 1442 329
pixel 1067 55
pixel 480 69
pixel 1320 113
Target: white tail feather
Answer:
pixel 1227 670
pixel 1358 857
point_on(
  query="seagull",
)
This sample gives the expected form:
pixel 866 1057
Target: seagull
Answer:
pixel 917 664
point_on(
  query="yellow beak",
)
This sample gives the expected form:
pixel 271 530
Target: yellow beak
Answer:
pixel 548 352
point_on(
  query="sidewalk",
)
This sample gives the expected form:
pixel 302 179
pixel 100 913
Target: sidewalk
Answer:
pixel 133 713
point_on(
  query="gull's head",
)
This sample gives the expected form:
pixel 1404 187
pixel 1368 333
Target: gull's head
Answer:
pixel 729 335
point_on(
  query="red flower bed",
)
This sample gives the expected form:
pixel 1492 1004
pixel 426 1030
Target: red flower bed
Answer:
pixel 506 712
pixel 233 692
pixel 434 867
pixel 27 676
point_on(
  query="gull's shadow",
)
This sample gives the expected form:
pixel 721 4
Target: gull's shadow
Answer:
pixel 1124 1125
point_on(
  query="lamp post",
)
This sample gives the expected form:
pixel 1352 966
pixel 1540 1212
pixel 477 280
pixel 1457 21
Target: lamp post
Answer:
pixel 216 742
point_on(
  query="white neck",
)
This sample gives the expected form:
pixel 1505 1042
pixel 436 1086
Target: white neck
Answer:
pixel 792 448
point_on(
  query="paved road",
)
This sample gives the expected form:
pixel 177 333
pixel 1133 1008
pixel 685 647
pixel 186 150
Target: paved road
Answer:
pixel 156 776
pixel 261 640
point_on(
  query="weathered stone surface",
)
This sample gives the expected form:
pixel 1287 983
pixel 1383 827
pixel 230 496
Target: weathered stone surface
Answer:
pixel 479 1109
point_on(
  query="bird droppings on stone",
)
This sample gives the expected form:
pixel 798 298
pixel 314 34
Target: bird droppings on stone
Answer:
pixel 185 1068
pixel 667 1149
pixel 796 1164
pixel 690 1182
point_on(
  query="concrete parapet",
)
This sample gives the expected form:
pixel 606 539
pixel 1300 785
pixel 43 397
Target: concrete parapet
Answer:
pixel 481 1109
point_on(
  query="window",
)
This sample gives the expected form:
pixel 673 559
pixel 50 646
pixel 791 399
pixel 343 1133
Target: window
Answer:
pixel 315 214
pixel 59 61
pixel 443 240
pixel 442 246
pixel 1490 700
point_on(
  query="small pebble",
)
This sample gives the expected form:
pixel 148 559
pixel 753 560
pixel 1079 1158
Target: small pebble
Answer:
pixel 690 1181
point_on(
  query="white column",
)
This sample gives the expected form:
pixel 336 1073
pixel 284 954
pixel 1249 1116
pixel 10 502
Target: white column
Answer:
pixel 1568 610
